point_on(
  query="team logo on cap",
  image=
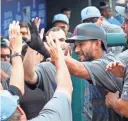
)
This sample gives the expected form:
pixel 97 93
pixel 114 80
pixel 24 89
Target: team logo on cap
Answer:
pixel 87 11
pixel 75 31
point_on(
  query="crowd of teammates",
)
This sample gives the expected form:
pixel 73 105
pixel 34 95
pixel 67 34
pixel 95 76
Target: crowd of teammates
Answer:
pixel 36 66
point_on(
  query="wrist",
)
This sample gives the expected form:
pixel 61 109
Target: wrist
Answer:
pixel 114 102
pixel 14 52
pixel 16 59
pixel 15 55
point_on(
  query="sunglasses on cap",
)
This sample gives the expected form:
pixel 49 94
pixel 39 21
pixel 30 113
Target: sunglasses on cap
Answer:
pixel 90 20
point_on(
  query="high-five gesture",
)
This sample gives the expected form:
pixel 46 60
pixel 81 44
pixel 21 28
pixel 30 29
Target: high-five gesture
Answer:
pixel 37 21
pixel 15 37
pixel 54 48
pixel 17 75
pixel 35 41
pixel 116 68
pixel 64 83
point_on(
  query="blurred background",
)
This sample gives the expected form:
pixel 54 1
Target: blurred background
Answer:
pixel 24 10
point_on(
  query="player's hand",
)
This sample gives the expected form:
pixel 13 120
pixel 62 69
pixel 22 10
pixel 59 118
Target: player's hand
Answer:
pixel 116 68
pixel 37 21
pixel 54 48
pixel 35 41
pixel 15 37
pixel 42 33
pixel 111 98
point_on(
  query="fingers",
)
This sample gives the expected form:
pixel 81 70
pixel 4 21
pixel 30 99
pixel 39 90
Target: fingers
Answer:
pixel 47 46
pixel 37 21
pixel 57 43
pixel 117 92
pixel 113 65
pixel 14 29
pixel 50 42
pixel 109 67
pixel 15 36
pixel 121 65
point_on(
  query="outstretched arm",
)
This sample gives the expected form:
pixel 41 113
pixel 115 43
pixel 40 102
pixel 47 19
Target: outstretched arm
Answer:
pixel 17 75
pixel 64 83
pixel 76 68
pixel 29 64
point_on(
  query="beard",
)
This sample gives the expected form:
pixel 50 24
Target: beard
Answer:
pixel 85 57
pixel 88 56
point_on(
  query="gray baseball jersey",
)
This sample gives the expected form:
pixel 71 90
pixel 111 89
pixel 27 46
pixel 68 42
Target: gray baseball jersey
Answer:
pixel 57 109
pixel 46 72
pixel 103 82
pixel 124 94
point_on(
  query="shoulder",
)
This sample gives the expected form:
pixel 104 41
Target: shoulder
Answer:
pixel 46 64
pixel 111 28
pixel 6 67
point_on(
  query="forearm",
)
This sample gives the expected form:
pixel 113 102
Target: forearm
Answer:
pixel 29 66
pixel 64 83
pixel 17 75
pixel 76 68
pixel 121 107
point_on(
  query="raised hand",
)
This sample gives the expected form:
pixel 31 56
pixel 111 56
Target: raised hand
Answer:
pixel 35 42
pixel 37 21
pixel 54 48
pixel 116 68
pixel 15 37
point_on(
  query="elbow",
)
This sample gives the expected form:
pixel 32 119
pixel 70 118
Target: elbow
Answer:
pixel 28 77
pixel 31 79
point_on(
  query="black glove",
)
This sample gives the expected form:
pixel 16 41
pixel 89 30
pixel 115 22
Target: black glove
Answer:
pixel 36 43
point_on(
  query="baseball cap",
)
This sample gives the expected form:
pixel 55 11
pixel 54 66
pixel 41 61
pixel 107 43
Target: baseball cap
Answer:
pixel 104 5
pixel 4 42
pixel 61 17
pixel 9 104
pixel 90 12
pixel 89 31
pixel 123 11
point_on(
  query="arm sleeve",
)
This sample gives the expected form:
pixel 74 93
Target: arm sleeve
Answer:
pixel 46 78
pixel 6 67
pixel 124 94
pixel 14 91
pixel 57 109
pixel 101 77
